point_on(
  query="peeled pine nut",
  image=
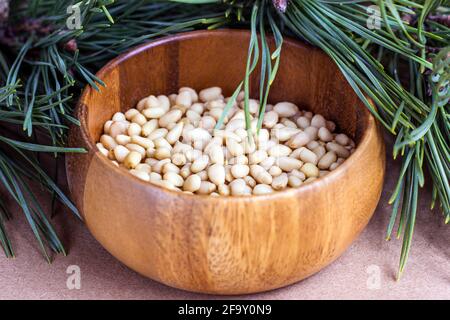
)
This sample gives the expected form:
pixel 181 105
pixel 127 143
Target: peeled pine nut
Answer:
pixel 257 156
pixel 140 174
pixel 144 167
pixel 279 150
pixel 132 160
pixel 170 117
pixel 120 153
pixel 275 171
pixel 299 140
pixel 108 142
pixel 340 151
pixel 102 149
pixel 342 139
pixel 310 170
pixel 303 122
pixel 119 127
pixel 199 164
pixel 170 167
pixel 143 142
pixel 260 174
pixel 280 182
pixel 268 162
pixel 285 109
pixel 224 190
pixel 175 133
pixel 288 164
pixel 307 155
pixel 240 170
pixel 216 174
pixel 123 139
pixel 174 178
pixel 206 187
pixel 320 151
pixel 162 153
pixel 210 94
pixel 153 113
pixel 294 181
pixel 179 159
pixel 158 133
pixel 107 126
pixel 237 187
pixel 312 132
pixel 250 181
pixel 149 127
pixel 325 135
pixel 270 119
pixel 216 154
pixel 137 148
pixel 172 141
pixel 234 147
pixel 262 189
pixel 318 121
pixel 134 129
pixel 192 183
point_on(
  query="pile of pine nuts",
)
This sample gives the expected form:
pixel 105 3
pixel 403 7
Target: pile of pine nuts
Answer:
pixel 172 141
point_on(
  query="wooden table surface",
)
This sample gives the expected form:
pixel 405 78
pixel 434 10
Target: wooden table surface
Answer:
pixel 365 271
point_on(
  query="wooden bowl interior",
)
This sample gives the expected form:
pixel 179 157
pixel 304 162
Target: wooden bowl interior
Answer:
pixel 306 77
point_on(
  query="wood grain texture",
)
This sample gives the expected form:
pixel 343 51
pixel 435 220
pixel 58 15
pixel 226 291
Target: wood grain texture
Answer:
pixel 224 245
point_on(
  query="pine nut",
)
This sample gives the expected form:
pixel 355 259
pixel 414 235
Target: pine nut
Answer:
pixel 280 182
pixel 342 139
pixel 172 116
pixel 210 94
pixel 237 187
pixel 270 119
pixel 325 135
pixel 262 189
pixel 308 156
pixel 303 122
pixel 179 159
pixel 200 164
pixel 299 140
pixel 206 187
pixel 140 174
pixel 162 153
pixel 108 142
pixel 120 153
pixel 318 121
pixel 172 141
pixel 154 113
pixel 216 174
pixel 294 181
pixel 102 149
pixel 132 159
pixel 288 164
pixel 174 178
pixel 143 142
pixel 310 170
pixel 175 133
pixel 239 170
pixel 338 149
pixel 123 139
pixel 285 109
pixel 117 128
pixel 149 127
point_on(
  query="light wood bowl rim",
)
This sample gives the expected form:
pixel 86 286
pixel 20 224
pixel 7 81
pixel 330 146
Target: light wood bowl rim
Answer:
pixel 370 128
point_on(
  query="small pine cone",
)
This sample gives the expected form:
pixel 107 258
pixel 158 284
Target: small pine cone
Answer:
pixel 4 10
pixel 280 5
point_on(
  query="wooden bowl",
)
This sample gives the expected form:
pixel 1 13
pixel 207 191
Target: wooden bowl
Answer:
pixel 224 245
